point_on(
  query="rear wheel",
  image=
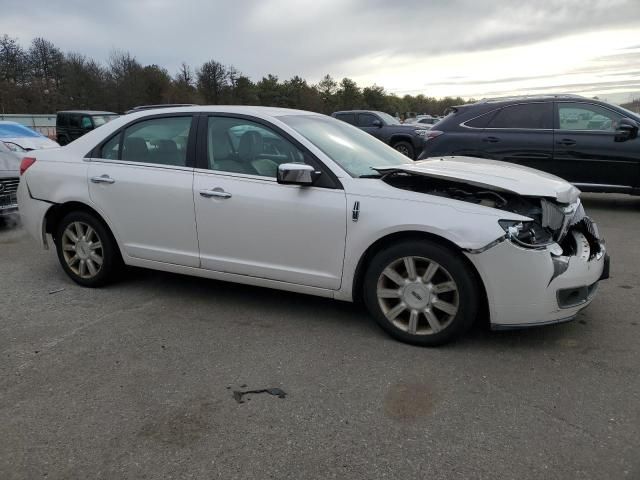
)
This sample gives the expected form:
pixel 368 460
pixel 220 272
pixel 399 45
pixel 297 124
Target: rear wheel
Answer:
pixel 405 148
pixel 421 293
pixel 86 250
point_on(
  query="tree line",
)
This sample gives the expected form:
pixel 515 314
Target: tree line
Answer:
pixel 43 79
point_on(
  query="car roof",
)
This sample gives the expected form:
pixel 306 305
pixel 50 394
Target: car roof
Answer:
pixel 238 109
pixel 88 112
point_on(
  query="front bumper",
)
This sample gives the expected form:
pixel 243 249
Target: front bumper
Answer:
pixel 523 288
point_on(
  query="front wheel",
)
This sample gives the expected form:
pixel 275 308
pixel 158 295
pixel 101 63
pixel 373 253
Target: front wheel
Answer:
pixel 421 293
pixel 405 148
pixel 86 250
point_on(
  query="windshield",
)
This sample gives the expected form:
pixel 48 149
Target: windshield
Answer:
pixel 351 148
pixel 14 130
pixel 388 119
pixel 102 119
pixel 630 114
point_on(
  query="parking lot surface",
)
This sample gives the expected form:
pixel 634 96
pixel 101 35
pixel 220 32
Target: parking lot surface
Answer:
pixel 137 380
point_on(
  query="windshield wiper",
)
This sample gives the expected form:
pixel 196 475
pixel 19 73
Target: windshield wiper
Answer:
pixel 371 175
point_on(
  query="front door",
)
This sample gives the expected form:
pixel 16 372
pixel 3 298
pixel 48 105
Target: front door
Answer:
pixel 367 122
pixel 585 149
pixel 142 181
pixel 249 224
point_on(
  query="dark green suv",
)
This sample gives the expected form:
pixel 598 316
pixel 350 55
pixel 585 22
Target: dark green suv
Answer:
pixel 73 124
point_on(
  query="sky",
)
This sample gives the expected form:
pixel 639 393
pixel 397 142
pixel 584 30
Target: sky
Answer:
pixel 468 48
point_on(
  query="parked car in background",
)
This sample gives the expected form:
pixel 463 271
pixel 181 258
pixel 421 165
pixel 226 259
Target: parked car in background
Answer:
pixel 18 137
pixel 407 139
pixel 302 202
pixel 590 143
pixel 9 179
pixel 72 124
pixel 426 120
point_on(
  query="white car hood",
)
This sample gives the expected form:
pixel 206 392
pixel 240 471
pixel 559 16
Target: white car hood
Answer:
pixel 33 143
pixel 9 162
pixel 507 177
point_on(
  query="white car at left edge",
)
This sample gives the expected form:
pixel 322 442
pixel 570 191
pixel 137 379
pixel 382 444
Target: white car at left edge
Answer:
pixel 303 202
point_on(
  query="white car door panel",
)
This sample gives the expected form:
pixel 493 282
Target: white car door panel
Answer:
pixel 151 209
pixel 254 226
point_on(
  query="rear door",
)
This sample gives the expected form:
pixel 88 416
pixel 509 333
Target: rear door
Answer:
pixel 522 134
pixel 585 150
pixel 141 179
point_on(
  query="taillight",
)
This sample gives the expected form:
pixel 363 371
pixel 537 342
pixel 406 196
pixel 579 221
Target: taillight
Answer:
pixel 431 134
pixel 26 163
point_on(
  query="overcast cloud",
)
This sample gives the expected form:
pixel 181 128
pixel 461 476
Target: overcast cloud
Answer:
pixel 447 47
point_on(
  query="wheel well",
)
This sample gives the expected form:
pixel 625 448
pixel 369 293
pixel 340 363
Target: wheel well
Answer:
pixel 56 213
pixel 397 139
pixel 382 243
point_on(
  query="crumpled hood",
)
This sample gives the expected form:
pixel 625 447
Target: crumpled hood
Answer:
pixel 493 174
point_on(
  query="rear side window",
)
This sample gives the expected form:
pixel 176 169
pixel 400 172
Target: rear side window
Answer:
pixel 347 117
pixel 528 115
pixel 161 141
pixel 74 121
pixel 482 121
pixel 63 119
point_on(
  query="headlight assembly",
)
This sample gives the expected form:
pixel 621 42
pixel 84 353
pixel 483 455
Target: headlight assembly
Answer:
pixel 527 234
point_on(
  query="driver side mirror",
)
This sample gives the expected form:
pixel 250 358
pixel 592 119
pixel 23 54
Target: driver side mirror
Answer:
pixel 376 123
pixel 297 174
pixel 627 130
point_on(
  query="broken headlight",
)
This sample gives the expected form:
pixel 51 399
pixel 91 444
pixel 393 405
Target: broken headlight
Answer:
pixel 527 234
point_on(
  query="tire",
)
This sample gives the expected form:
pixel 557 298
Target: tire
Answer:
pixel 406 149
pixel 425 311
pixel 97 257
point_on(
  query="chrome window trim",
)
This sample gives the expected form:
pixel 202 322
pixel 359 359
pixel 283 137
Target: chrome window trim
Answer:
pixel 140 164
pixel 258 178
pixel 463 124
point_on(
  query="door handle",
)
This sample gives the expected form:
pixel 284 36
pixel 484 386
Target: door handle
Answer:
pixel 103 179
pixel 491 139
pixel 566 142
pixel 216 192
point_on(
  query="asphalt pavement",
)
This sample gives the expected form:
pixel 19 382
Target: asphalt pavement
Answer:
pixel 147 379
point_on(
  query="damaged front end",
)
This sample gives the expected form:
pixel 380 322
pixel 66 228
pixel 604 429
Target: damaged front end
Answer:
pixel 544 269
pixel 564 228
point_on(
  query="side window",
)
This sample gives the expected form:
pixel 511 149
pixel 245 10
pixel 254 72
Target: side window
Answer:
pixel 111 149
pixel 482 121
pixel 86 123
pixel 528 115
pixel 237 145
pixel 347 117
pixel 74 121
pixel 582 116
pixel 366 119
pixel 162 141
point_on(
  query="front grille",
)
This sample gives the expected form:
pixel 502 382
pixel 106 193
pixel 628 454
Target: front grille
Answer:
pixel 8 195
pixel 9 185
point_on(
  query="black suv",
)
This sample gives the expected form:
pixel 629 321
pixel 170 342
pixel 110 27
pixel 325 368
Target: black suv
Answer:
pixel 407 139
pixel 588 142
pixel 73 124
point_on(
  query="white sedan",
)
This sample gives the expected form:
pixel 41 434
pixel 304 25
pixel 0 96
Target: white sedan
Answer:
pixel 303 202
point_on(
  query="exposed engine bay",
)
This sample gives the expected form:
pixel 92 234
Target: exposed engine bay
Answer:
pixel 552 223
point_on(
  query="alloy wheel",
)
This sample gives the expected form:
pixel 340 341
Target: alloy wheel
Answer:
pixel 82 250
pixel 418 295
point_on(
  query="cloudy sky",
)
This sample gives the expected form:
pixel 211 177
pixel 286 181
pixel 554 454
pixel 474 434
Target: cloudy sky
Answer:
pixel 470 48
